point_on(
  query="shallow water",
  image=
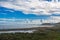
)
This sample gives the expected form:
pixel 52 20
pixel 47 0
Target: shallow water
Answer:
pixel 21 31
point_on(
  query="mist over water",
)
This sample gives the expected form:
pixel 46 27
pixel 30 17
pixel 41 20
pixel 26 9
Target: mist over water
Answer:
pixel 21 23
pixel 19 26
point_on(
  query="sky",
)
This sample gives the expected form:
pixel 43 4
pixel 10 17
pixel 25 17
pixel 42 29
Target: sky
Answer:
pixel 30 9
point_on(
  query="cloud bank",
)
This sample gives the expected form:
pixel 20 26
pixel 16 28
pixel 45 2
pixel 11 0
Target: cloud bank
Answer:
pixel 36 7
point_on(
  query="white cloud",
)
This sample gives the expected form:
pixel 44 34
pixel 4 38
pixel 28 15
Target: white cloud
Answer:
pixel 55 19
pixel 52 19
pixel 32 6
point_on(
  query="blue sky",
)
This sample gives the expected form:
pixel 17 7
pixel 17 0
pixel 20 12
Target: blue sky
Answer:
pixel 27 9
pixel 6 13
